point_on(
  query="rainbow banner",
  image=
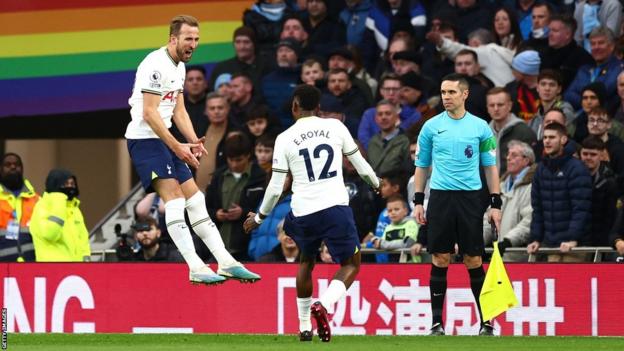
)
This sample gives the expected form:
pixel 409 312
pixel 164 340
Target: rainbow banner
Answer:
pixel 81 55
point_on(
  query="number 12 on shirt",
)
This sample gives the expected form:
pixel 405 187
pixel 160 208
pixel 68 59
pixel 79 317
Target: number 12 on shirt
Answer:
pixel 325 173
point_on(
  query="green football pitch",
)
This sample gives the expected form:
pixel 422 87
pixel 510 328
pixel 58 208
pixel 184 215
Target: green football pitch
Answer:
pixel 184 342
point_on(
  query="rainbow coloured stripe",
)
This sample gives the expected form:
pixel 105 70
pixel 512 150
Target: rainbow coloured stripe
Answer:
pixel 81 55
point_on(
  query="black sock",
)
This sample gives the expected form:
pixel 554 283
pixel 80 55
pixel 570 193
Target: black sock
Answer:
pixel 477 276
pixel 437 289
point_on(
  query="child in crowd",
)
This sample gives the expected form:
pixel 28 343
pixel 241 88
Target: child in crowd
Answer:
pixel 264 151
pixel 402 231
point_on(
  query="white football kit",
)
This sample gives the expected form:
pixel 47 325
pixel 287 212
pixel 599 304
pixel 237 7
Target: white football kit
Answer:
pixel 157 74
pixel 312 150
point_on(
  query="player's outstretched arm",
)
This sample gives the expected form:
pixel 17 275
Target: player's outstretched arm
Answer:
pixel 271 196
pixel 154 120
pixel 364 169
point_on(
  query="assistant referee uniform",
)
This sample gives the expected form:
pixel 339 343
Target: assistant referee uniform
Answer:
pixel 455 149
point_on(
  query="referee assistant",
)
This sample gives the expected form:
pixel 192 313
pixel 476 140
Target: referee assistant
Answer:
pixel 455 143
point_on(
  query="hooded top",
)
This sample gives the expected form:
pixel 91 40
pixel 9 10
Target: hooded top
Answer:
pixel 57 178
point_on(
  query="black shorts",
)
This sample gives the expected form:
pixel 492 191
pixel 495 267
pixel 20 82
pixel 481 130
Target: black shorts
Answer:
pixel 455 217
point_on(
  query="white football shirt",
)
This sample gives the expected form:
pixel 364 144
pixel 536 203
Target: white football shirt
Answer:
pixel 312 150
pixel 157 74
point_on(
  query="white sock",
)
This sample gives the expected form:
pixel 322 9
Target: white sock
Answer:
pixel 179 232
pixel 206 229
pixel 334 292
pixel 303 310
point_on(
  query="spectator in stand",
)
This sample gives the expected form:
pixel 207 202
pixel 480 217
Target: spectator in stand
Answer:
pixel 562 52
pixel 516 194
pixel 552 116
pixel 604 193
pixel 263 151
pixel 390 87
pixel 505 125
pixel 524 12
pixel 591 14
pixel 222 85
pixel 495 60
pixel 353 17
pixel 549 91
pixel 241 100
pixel 259 122
pixel 235 190
pixel 195 87
pixel 523 90
pixel 593 95
pixel 266 18
pixel 439 64
pixel 599 123
pixel 217 110
pixel 312 71
pixel 506 29
pixel 540 18
pixel 287 250
pixel 152 249
pixel 470 15
pixel 414 95
pixel 392 184
pixel 466 63
pixel 352 101
pixel 388 150
pixel 606 68
pixel 266 239
pixel 383 16
pixel 619 110
pixel 402 231
pixel 277 86
pixel 324 33
pixel 561 197
pixel 246 59
pixel 342 58
pixel 411 61
pixel 57 226
pixel 17 201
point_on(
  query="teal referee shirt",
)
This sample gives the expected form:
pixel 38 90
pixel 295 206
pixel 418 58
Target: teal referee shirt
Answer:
pixel 455 148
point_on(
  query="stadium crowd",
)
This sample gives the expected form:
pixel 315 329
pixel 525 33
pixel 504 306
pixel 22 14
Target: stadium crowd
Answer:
pixel 547 76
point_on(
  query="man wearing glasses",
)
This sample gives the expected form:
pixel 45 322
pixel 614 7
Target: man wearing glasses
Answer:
pixel 598 124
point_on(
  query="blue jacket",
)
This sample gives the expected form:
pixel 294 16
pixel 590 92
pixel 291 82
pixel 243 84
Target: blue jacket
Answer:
pixel 264 238
pixel 355 21
pixel 561 196
pixel 277 88
pixel 607 75
pixel 368 127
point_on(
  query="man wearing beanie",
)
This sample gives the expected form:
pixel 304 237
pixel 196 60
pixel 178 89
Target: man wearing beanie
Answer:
pixel 245 59
pixel 525 67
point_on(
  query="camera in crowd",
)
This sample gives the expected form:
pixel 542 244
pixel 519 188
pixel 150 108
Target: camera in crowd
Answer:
pixel 124 249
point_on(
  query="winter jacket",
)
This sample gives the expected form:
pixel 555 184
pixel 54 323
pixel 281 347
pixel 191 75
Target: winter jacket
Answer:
pixel 516 214
pixel 250 197
pixel 354 19
pixel 18 209
pixel 607 75
pixel 368 127
pixel 277 88
pixel 604 199
pixel 58 229
pixel 567 60
pixel 390 156
pixel 264 238
pixel 515 129
pixel 609 15
pixel 561 197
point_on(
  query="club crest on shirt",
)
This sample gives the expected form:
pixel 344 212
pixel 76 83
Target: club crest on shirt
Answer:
pixel 468 151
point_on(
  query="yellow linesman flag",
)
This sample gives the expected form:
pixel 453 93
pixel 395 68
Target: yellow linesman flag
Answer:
pixel 497 294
